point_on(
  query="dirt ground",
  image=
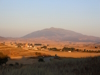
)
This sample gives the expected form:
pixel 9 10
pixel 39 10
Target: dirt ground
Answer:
pixel 67 54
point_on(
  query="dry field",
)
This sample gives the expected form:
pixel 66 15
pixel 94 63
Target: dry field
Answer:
pixel 67 54
pixel 77 65
pixel 19 52
pixel 77 45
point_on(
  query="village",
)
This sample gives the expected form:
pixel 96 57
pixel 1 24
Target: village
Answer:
pixel 27 46
pixel 48 47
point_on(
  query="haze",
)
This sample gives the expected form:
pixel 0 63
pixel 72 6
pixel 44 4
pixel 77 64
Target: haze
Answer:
pixel 20 17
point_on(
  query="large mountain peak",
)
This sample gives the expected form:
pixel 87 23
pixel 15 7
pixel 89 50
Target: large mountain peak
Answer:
pixel 61 35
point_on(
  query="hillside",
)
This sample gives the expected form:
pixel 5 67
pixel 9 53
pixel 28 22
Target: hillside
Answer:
pixel 2 38
pixel 61 35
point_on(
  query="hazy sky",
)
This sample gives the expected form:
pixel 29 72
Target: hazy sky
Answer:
pixel 20 17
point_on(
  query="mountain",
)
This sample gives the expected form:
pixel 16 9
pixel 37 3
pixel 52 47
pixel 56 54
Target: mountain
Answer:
pixel 61 35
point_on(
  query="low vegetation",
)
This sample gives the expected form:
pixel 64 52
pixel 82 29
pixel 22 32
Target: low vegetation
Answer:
pixel 41 59
pixel 3 58
pixel 64 66
pixel 54 49
pixel 45 47
pixel 68 49
pixel 56 66
pixel 92 51
pixel 41 54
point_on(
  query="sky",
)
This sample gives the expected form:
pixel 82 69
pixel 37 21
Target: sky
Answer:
pixel 20 17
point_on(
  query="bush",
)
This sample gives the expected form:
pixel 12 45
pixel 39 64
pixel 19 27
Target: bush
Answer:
pixel 84 50
pixel 11 65
pixel 67 66
pixel 37 53
pixel 17 63
pixel 45 47
pixel 99 51
pixel 41 60
pixel 68 49
pixel 77 50
pixel 3 58
pixel 54 49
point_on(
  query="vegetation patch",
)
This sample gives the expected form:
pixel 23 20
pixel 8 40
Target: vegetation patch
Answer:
pixel 65 66
pixel 3 58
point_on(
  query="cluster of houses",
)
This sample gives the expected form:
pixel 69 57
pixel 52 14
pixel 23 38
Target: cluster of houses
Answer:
pixel 39 46
pixel 29 46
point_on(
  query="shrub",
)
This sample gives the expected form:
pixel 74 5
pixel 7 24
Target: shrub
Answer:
pixel 54 49
pixel 41 60
pixel 99 51
pixel 39 54
pixel 16 63
pixel 3 58
pixel 11 65
pixel 68 49
pixel 77 50
pixel 69 66
pixel 45 47
pixel 84 50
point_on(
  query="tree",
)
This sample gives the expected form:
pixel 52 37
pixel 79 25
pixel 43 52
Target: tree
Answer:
pixel 68 49
pixel 45 47
pixel 3 58
pixel 41 59
pixel 96 47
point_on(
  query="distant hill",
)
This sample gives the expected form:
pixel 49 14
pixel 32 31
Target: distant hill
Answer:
pixel 61 35
pixel 2 38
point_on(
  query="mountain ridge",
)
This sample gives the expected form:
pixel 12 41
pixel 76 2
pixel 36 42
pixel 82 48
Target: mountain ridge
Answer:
pixel 2 38
pixel 61 35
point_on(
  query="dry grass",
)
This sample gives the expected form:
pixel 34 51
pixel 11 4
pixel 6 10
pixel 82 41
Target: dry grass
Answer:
pixel 69 66
pixel 67 54
pixel 19 52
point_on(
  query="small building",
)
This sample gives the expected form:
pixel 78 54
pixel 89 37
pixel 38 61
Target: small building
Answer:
pixel 37 44
pixel 69 51
pixel 35 48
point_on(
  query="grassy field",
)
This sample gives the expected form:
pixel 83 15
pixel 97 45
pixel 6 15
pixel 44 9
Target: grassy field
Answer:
pixel 64 66
pixel 74 63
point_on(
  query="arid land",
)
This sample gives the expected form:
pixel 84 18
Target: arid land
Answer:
pixel 13 51
pixel 25 60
